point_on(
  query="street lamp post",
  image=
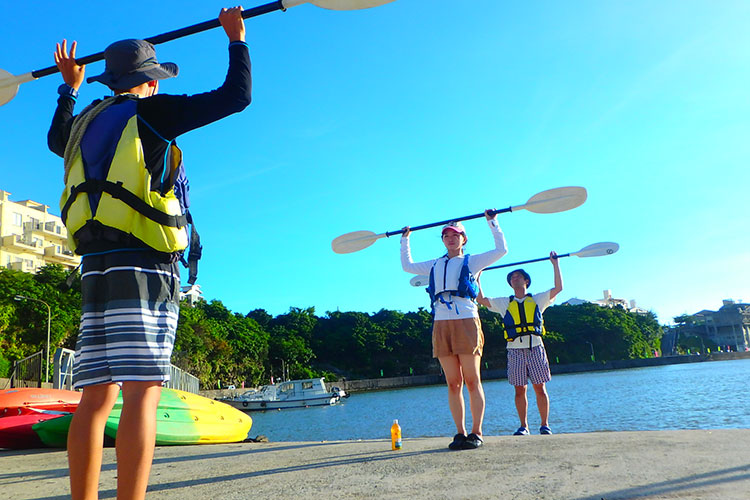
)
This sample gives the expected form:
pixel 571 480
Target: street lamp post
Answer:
pixel 593 359
pixel 49 321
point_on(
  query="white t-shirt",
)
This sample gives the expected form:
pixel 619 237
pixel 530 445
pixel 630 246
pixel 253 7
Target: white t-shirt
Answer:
pixel 447 272
pixel 500 306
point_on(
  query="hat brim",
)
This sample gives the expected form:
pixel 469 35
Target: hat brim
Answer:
pixel 137 77
pixel 523 273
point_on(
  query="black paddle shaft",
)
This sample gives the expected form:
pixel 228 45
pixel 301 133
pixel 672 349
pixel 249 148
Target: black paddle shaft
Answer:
pixel 468 217
pixel 172 35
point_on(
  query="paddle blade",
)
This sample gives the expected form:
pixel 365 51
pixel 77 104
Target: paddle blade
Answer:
pixel 8 87
pixel 338 4
pixel 597 250
pixel 355 241
pixel 420 280
pixel 555 200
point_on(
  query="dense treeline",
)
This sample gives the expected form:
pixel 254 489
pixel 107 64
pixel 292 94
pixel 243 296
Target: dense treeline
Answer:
pixel 224 347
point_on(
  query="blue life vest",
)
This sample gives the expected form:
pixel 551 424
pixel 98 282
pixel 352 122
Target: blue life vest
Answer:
pixel 467 283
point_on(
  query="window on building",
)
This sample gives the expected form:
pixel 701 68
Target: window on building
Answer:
pixel 17 219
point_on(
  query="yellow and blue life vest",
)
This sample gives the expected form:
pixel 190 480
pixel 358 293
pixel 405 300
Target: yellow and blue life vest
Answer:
pixel 523 318
pixel 108 184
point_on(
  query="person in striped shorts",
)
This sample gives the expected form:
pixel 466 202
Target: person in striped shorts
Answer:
pixel 524 327
pixel 124 217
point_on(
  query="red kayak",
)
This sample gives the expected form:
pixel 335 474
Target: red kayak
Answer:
pixel 24 400
pixel 16 431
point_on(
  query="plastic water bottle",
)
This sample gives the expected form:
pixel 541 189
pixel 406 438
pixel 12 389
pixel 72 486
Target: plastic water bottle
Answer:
pixel 395 436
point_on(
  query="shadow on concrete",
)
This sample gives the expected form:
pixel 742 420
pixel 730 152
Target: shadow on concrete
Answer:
pixel 359 458
pixel 693 482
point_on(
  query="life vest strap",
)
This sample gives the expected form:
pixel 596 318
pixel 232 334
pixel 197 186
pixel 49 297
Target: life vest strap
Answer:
pixel 117 191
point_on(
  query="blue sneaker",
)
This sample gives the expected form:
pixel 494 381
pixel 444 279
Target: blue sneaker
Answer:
pixel 545 430
pixel 522 431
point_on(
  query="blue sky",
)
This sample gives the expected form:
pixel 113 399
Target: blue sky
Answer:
pixel 419 111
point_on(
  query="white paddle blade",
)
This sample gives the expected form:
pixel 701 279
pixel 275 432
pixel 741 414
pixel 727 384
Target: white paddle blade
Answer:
pixel 555 200
pixel 597 250
pixel 420 280
pixel 355 241
pixel 8 87
pixel 338 4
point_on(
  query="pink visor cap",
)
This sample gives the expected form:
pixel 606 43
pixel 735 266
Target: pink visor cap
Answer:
pixel 454 226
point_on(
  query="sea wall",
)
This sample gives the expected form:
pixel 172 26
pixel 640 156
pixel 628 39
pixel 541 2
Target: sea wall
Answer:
pixel 397 382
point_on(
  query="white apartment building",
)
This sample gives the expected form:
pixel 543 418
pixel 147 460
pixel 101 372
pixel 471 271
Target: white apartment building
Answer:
pixel 608 301
pixel 31 237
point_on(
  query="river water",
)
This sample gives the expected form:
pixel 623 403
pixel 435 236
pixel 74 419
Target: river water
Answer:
pixel 708 395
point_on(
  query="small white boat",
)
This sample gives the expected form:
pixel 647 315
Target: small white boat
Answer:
pixel 290 394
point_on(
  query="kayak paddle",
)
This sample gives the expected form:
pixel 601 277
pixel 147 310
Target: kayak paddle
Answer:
pixel 9 83
pixel 547 202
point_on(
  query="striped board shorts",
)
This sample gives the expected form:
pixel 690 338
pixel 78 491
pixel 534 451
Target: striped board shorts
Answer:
pixel 130 306
pixel 528 364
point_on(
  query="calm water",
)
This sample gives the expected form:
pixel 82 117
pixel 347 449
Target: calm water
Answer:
pixel 708 395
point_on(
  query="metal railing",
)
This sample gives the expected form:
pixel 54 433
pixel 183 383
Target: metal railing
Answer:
pixel 27 372
pixel 183 381
pixel 63 374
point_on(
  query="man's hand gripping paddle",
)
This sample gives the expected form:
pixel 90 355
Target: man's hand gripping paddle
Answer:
pixel 593 250
pixel 9 83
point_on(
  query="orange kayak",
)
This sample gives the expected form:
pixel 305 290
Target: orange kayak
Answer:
pixel 24 400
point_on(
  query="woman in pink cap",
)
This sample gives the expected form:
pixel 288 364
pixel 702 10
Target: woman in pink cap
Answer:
pixel 457 338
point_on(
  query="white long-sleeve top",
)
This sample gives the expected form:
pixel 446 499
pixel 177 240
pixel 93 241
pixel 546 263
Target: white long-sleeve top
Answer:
pixel 448 271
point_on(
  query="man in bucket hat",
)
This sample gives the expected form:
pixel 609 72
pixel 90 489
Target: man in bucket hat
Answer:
pixel 524 327
pixel 126 215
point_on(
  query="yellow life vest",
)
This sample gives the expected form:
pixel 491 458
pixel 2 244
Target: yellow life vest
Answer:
pixel 523 318
pixel 117 193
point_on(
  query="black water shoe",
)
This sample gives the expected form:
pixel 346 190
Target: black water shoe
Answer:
pixel 458 442
pixel 472 442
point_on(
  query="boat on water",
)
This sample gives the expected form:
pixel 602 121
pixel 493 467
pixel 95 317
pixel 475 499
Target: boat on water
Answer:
pixel 289 394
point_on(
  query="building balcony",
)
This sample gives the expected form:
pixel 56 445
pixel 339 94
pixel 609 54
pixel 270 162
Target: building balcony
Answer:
pixel 25 265
pixel 19 242
pixel 63 256
pixel 48 230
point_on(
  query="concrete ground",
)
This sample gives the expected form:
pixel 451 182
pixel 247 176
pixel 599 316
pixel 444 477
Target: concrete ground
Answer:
pixel 698 464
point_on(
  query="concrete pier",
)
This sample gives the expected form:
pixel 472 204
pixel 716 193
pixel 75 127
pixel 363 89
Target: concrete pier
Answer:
pixel 694 464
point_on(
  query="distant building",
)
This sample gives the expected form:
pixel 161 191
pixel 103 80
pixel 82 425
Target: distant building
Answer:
pixel 31 237
pixel 729 326
pixel 191 294
pixel 608 301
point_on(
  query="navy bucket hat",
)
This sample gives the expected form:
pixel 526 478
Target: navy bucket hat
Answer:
pixel 524 273
pixel 132 62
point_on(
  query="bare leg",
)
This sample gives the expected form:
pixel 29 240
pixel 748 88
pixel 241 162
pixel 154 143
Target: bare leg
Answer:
pixel 454 379
pixel 521 404
pixel 542 402
pixel 136 437
pixel 86 439
pixel 470 365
